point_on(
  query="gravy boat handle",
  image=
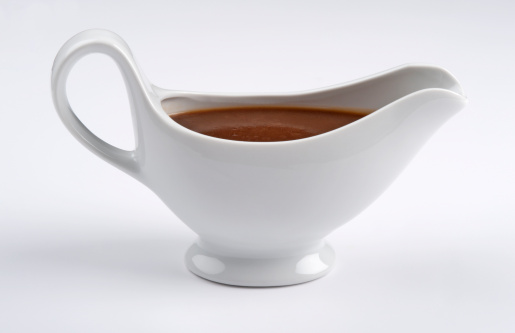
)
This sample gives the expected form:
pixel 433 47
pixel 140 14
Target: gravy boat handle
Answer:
pixel 110 44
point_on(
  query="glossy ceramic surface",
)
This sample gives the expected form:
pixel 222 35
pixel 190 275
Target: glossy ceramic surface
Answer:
pixel 262 210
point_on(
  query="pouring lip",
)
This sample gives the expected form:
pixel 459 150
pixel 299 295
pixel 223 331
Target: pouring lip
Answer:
pixel 455 91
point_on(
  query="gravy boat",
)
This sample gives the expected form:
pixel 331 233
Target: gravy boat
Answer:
pixel 262 209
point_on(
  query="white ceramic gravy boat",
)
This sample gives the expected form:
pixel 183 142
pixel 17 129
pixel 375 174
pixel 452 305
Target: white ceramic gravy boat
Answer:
pixel 262 209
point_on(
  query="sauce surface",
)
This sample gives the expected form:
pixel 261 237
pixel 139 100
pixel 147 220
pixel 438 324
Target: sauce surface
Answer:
pixel 266 123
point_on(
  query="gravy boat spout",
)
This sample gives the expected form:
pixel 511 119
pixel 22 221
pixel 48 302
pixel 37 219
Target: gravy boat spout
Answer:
pixel 263 209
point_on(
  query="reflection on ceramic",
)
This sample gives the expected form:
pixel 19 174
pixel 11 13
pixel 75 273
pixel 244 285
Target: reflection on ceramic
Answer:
pixel 262 209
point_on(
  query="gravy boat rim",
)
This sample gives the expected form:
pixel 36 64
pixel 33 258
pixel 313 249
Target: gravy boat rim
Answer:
pixel 164 94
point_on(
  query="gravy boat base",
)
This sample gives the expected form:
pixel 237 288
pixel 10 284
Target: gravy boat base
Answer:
pixel 260 271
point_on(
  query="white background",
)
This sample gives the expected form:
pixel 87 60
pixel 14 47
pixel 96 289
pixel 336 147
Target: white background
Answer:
pixel 85 248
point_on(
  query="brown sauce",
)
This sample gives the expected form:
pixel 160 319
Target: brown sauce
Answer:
pixel 266 123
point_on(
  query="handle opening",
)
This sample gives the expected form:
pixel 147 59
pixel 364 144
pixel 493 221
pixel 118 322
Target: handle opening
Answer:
pixel 96 92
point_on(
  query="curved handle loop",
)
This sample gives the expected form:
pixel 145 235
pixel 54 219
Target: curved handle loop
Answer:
pixel 108 43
